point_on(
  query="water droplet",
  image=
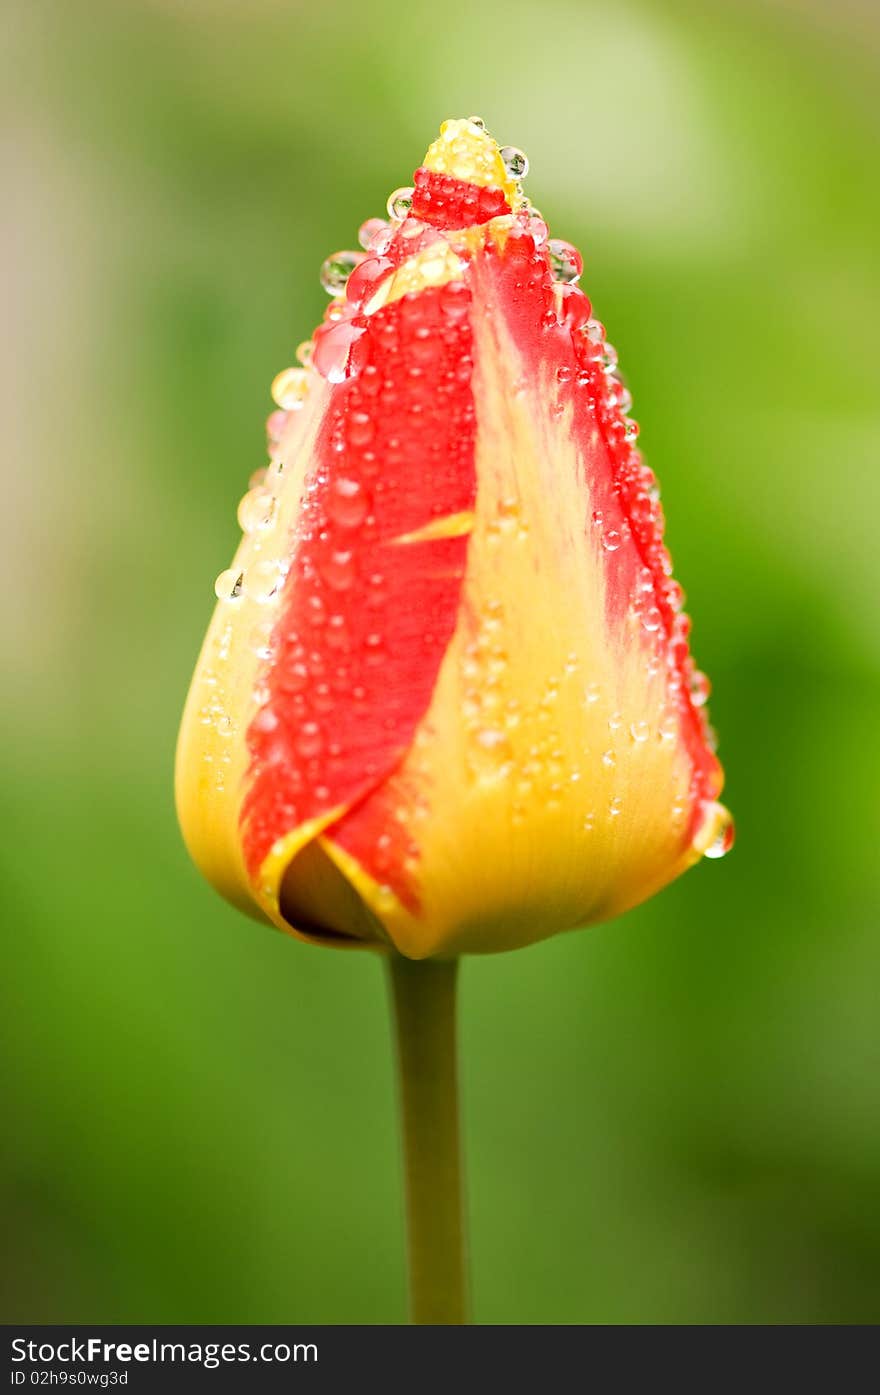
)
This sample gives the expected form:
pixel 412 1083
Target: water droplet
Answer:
pixel 336 270
pixel 538 230
pixel 229 584
pixel 630 430
pixel 700 688
pixel 275 425
pixel 415 229
pixel 374 646
pixel 333 343
pixel 592 692
pixel 674 594
pixel 595 331
pixel 652 619
pixel 290 387
pixel 490 739
pixel 478 122
pixel 338 570
pixel 309 742
pixel 624 399
pixel 304 352
pixel 370 229
pixel 263 580
pixel 400 202
pixel 491 750
pixel 256 510
pixel 515 161
pixel 717 833
pixel 609 357
pixel 566 262
pixel 615 805
pixel 639 731
pixel 611 540
pixel 347 503
pixel 609 760
pixel 668 729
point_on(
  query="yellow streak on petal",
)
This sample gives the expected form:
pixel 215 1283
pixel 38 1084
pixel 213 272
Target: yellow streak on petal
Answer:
pixel 212 756
pixel 452 525
pixel 466 152
pixel 438 264
pixel 435 265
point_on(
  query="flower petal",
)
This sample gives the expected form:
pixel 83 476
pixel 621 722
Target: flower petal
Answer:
pixel 562 772
pixel 447 700
pixel 355 634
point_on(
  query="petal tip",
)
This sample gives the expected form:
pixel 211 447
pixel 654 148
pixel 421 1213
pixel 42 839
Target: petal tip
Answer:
pixel 464 150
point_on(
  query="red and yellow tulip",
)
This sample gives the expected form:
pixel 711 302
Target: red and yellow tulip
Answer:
pixel 446 701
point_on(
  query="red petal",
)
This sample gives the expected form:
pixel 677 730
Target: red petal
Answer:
pixel 366 618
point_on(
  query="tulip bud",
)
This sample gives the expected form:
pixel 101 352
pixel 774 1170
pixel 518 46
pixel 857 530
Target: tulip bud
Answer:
pixel 446 701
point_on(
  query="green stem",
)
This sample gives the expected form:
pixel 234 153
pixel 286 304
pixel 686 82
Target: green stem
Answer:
pixel 423 997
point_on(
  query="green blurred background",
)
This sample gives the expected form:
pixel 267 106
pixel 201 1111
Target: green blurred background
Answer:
pixel 670 1119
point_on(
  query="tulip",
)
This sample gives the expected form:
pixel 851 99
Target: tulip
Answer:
pixel 446 703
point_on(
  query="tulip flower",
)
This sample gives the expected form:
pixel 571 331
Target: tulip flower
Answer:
pixel 446 702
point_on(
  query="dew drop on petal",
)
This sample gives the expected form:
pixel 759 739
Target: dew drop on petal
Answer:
pixel 336 270
pixel 263 580
pixel 400 202
pixel 304 352
pixel 309 742
pixel 275 429
pixel 338 570
pixel 347 503
pixel 566 262
pixel 290 387
pixel 256 510
pixel 229 584
pixel 493 743
pixel 716 833
pixel 700 687
pixel 515 161
pixel 370 229
pixel 611 540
